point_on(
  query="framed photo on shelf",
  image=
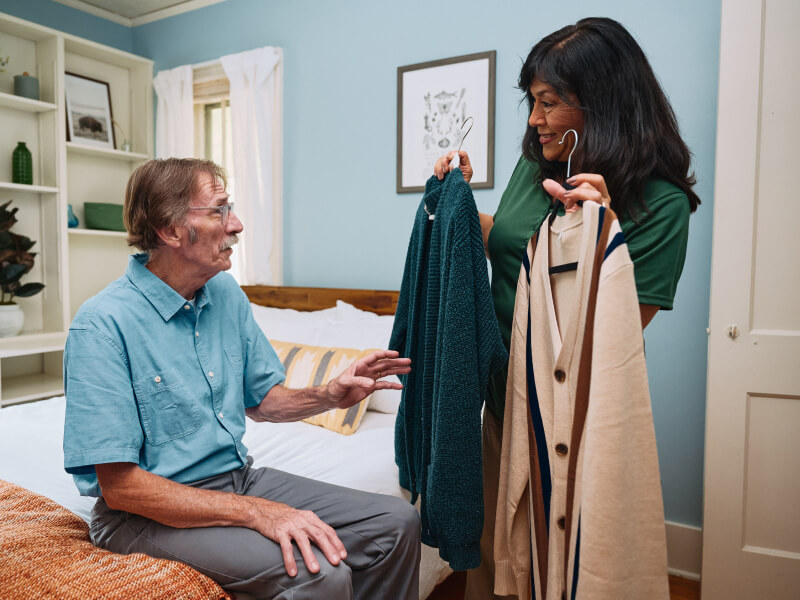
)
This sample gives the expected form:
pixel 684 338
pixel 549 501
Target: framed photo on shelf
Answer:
pixel 89 117
pixel 434 99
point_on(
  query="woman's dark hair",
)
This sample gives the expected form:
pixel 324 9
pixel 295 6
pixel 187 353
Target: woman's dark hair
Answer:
pixel 630 131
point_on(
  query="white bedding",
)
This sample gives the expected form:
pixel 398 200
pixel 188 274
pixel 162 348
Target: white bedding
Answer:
pixel 31 455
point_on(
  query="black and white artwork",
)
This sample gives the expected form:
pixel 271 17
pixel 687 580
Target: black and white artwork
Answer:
pixel 435 99
pixel 89 119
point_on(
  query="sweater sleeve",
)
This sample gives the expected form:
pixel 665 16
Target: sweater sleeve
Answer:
pixel 623 543
pixel 399 341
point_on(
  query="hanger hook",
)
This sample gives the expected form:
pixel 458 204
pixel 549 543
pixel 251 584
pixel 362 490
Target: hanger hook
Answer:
pixel 472 122
pixel 569 159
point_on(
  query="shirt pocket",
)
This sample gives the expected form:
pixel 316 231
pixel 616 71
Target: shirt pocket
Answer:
pixel 167 409
pixel 234 354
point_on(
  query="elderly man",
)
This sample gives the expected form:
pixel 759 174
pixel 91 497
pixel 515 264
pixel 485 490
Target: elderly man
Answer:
pixel 161 368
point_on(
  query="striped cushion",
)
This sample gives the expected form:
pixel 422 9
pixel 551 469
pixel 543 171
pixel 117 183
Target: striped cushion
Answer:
pixel 308 366
pixel 46 553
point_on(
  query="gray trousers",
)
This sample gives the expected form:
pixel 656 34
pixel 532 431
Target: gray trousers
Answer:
pixel 380 533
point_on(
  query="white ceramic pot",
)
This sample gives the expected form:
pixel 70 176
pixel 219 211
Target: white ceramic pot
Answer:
pixel 11 319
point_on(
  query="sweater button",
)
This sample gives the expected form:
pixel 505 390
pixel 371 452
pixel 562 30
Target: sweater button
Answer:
pixel 561 449
pixel 561 522
pixel 560 375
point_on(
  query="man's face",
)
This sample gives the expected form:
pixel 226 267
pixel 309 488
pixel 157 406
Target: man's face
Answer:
pixel 209 237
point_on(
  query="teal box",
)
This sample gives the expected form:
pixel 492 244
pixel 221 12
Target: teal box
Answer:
pixel 103 215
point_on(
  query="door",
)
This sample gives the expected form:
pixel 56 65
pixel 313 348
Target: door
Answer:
pixel 751 519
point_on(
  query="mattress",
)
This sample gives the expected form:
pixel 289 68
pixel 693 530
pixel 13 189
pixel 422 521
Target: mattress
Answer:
pixel 31 455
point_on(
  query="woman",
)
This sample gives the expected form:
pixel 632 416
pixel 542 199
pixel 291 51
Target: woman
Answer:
pixel 594 78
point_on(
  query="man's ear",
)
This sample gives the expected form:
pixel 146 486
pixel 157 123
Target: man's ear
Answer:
pixel 172 236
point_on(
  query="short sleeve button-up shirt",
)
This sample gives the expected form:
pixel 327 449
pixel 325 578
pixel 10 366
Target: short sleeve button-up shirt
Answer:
pixel 153 379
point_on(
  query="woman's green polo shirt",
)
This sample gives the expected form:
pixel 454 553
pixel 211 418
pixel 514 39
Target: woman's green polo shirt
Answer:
pixel 657 245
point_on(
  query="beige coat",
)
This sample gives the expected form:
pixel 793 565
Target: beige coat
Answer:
pixel 588 430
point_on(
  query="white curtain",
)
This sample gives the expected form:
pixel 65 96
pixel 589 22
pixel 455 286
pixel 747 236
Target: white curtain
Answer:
pixel 255 96
pixel 175 117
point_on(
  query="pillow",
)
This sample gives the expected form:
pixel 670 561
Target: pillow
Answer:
pixel 46 553
pixel 313 365
pixel 341 327
pixel 386 401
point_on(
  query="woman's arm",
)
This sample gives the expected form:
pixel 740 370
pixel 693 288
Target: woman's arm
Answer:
pixel 486 226
pixel 647 311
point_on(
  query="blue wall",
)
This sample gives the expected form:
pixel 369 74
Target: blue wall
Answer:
pixel 344 224
pixel 62 17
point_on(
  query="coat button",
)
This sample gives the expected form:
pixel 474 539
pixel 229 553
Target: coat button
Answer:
pixel 561 522
pixel 560 375
pixel 561 449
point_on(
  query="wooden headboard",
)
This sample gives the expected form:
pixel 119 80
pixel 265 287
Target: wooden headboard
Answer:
pixel 309 298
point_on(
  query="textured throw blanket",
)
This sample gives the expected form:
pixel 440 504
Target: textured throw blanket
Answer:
pixel 46 553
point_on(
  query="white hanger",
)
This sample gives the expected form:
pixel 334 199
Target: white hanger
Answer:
pixel 455 161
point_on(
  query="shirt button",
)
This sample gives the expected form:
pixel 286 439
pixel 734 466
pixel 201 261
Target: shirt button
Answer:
pixel 187 307
pixel 561 449
pixel 157 379
pixel 561 522
pixel 221 416
pixel 211 373
pixel 196 334
pixel 560 375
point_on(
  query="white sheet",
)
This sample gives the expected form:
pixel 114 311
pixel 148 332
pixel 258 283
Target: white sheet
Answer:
pixel 31 455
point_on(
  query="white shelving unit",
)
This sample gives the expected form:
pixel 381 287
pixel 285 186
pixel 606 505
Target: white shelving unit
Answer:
pixel 74 264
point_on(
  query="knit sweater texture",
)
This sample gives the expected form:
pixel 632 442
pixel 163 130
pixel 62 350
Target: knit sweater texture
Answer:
pixel 445 322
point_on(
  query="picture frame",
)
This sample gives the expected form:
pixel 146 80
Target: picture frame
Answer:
pixel 434 99
pixel 90 121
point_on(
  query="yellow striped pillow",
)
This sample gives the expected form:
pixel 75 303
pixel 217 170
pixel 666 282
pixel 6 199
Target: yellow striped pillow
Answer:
pixel 308 366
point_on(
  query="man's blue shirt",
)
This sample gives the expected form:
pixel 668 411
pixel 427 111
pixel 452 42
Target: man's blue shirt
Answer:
pixel 158 381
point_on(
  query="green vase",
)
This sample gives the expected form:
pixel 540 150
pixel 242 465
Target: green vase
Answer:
pixel 22 165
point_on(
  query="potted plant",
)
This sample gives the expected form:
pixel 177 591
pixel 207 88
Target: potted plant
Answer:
pixel 15 261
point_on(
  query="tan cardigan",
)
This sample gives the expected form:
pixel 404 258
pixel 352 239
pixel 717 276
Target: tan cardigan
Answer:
pixel 580 497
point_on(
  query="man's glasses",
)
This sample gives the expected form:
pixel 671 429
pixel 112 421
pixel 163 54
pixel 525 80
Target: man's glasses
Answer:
pixel 223 209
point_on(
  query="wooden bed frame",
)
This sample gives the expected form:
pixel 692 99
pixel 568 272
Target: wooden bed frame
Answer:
pixel 382 302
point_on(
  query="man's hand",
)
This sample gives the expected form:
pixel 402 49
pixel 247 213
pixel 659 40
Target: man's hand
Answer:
pixel 284 525
pixel 365 376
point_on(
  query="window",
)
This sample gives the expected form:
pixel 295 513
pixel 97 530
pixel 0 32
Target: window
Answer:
pixel 212 127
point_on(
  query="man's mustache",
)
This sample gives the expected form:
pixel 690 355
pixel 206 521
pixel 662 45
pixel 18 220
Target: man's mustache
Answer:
pixel 234 239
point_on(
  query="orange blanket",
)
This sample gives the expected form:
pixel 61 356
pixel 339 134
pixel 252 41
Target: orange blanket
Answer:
pixel 45 552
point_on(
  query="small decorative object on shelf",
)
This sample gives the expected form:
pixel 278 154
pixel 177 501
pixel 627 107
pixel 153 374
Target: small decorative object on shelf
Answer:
pixel 15 261
pixel 126 145
pixel 26 85
pixel 72 220
pixel 22 165
pixel 103 215
pixel 3 62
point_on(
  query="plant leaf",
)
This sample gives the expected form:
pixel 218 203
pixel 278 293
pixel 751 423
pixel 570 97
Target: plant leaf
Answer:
pixel 29 289
pixel 12 273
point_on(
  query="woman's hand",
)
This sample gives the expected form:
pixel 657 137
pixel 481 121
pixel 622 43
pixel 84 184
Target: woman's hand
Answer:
pixel 588 186
pixel 442 166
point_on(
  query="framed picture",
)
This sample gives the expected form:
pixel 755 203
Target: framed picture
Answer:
pixel 89 118
pixel 434 99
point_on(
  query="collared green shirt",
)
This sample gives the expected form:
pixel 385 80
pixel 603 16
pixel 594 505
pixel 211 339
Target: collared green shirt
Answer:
pixel 656 242
pixel 162 382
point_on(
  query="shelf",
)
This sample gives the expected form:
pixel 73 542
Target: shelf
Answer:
pixel 32 189
pixel 25 104
pixel 31 343
pixel 24 388
pixel 74 148
pixel 97 232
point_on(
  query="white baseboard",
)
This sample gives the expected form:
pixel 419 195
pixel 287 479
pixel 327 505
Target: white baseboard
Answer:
pixel 684 550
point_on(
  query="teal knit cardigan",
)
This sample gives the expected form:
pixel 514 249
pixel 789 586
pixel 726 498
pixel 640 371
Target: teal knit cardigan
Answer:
pixel 445 322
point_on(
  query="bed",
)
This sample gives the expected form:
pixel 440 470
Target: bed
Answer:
pixel 31 434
